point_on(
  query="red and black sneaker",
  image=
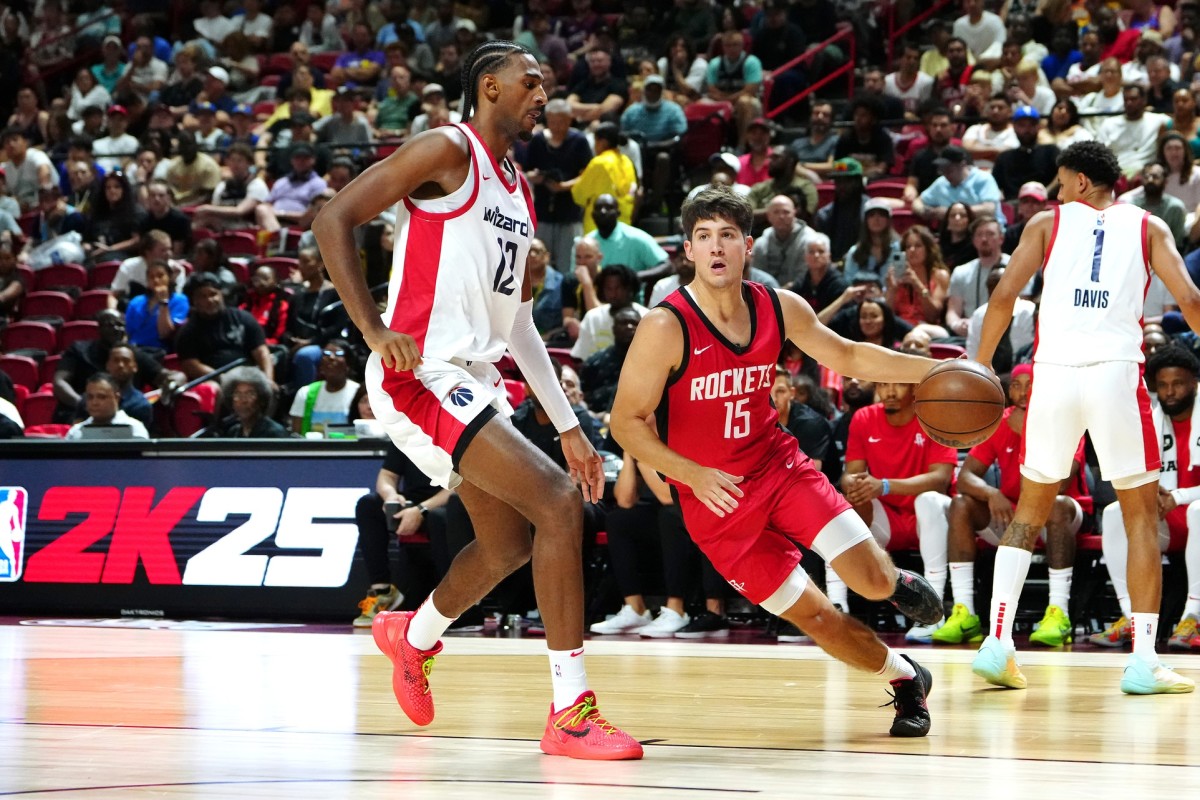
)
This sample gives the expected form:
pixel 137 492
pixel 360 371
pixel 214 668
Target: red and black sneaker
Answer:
pixel 410 666
pixel 581 732
pixel 908 698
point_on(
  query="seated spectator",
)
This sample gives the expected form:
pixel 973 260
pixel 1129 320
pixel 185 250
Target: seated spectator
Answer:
pixel 346 125
pixel 783 176
pixel 267 302
pixel 130 279
pixel 897 478
pixel 1017 337
pixel 361 64
pixel 299 131
pixel 395 105
pixel 954 235
pixel 1152 196
pixel 319 32
pixel 866 141
pixel 308 329
pixel 616 286
pixel 236 197
pixel 1031 199
pixel 144 74
pixel 192 175
pixel 841 218
pixel 724 169
pixel 600 96
pixel 291 194
pixel 185 82
pixel 983 32
pixel 81 186
pixel 814 152
pixel 579 294
pixel 922 171
pixel 122 365
pixel 252 400
pixel 683 70
pixel 326 401
pixel 86 91
pixel 1064 126
pixel 547 291
pixel 215 336
pixel 153 317
pixel 736 77
pixel 12 285
pixel 434 112
pixel 654 117
pixel 110 231
pixel 102 398
pixel 209 138
pixel 985 141
pixel 163 216
pixel 55 216
pixel 212 26
pixel 779 250
pixel 239 62
pixel 821 283
pixel 968 282
pixel 609 172
pixel 1134 135
pixel 601 371
pixel 303 97
pixel 1028 161
pixel 147 165
pixel 878 244
pixel 757 158
pixel 242 122
pixel 216 83
pixel 917 289
pixel 208 258
pixel 448 70
pixel 950 87
pixel 108 71
pixel 26 168
pixel 959 181
pixel 624 244
pixel 984 511
pixel 908 84
pixel 119 147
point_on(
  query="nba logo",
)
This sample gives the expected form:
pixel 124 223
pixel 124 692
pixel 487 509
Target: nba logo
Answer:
pixel 13 502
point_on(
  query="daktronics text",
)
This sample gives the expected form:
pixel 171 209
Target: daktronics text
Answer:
pixel 141 527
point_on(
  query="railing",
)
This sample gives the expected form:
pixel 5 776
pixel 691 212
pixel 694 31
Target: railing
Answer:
pixel 845 33
pixel 81 58
pixel 893 34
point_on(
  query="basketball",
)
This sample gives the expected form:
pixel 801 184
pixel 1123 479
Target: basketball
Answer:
pixel 960 403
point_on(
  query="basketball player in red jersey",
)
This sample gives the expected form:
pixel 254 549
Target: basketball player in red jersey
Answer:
pixel 458 299
pixel 701 365
pixel 1096 257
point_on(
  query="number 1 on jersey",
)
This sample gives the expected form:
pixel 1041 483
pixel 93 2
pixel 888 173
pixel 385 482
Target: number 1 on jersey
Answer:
pixel 1096 253
pixel 737 419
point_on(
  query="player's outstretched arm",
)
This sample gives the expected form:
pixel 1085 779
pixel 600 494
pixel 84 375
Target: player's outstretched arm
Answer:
pixel 656 352
pixel 1168 265
pixel 431 164
pixel 853 359
pixel 1026 260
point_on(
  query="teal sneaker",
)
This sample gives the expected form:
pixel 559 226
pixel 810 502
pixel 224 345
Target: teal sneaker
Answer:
pixel 998 665
pixel 1143 678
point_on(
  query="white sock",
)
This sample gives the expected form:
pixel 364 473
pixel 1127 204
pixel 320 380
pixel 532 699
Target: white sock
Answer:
pixel 896 668
pixel 567 676
pixel 1012 565
pixel 835 589
pixel 962 584
pixel 1191 560
pixel 1145 634
pixel 933 530
pixel 1060 587
pixel 937 580
pixel 1116 554
pixel 427 625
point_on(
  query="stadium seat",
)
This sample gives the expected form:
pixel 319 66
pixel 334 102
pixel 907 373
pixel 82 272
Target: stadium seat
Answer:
pixel 265 108
pixel 28 223
pixel 824 194
pixel 282 265
pixel 39 336
pixel 79 330
pixel 516 391
pixel 47 304
pixel 189 414
pixel 944 351
pixel 102 274
pixel 28 277
pixel 91 302
pixel 238 243
pixel 278 64
pixel 62 275
pixel 507 367
pixel 38 409
pixel 325 61
pixel 269 80
pixel 563 356
pixel 50 430
pixel 22 370
pixel 903 219
pixel 707 131
pixel 887 188
pixel 47 369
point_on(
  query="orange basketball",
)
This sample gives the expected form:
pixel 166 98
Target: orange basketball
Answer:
pixel 960 403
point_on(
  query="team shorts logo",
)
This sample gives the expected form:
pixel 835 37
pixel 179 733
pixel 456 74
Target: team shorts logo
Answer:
pixel 461 396
pixel 13 504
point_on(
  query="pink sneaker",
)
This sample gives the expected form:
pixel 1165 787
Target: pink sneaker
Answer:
pixel 580 732
pixel 410 666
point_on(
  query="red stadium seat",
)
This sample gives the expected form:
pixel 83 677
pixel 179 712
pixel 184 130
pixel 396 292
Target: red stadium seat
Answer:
pixel 79 330
pixel 29 336
pixel 903 219
pixel 516 391
pixel 50 430
pixel 48 368
pixel 944 351
pixel 38 409
pixel 102 274
pixel 269 80
pixel 28 277
pixel 265 108
pixel 28 222
pixel 23 370
pixel 887 188
pixel 238 243
pixel 278 64
pixel 507 367
pixel 824 195
pixel 563 356
pixel 282 265
pixel 325 61
pixel 707 131
pixel 47 304
pixel 188 413
pixel 91 302
pixel 56 275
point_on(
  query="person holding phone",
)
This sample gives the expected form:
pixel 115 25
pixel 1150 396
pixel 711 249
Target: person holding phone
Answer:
pixel 917 293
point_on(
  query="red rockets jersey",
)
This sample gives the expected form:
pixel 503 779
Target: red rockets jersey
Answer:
pixel 893 452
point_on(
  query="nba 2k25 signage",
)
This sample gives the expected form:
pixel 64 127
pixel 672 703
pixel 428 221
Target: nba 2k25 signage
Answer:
pixel 137 523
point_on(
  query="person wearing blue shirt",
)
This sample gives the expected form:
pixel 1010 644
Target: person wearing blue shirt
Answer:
pixel 959 183
pixel 1063 54
pixel 624 244
pixel 654 118
pixel 152 318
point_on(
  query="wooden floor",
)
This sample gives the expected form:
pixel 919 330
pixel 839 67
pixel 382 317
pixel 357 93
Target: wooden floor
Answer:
pixel 96 713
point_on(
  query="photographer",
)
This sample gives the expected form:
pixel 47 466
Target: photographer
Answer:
pixel 404 503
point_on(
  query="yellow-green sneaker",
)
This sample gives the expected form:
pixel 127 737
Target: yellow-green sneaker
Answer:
pixel 1054 630
pixel 375 602
pixel 962 626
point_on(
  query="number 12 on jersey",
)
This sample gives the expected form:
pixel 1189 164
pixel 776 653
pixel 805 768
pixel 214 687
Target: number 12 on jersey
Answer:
pixel 505 271
pixel 737 419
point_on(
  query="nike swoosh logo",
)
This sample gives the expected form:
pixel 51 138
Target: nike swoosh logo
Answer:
pixel 577 653
pixel 1008 450
pixel 498 382
pixel 487 177
pixel 577 734
pixel 874 439
pixel 700 350
pixel 789 464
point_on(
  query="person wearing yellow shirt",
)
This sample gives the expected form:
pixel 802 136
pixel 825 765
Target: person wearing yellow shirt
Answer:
pixel 609 172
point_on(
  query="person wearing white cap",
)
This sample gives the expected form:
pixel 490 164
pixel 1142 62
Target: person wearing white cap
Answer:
pixel 144 73
pixel 655 118
pixel 434 110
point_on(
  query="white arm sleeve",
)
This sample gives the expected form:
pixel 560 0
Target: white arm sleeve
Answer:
pixel 529 352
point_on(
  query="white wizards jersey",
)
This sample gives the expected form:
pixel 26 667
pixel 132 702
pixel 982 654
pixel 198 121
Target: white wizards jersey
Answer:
pixel 1095 276
pixel 459 261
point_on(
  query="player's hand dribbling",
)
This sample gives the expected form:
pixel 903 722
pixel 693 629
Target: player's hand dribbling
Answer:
pixel 584 464
pixel 717 490
pixel 398 350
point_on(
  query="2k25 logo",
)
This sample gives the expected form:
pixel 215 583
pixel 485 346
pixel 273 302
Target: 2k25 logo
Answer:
pixel 141 532
pixel 13 502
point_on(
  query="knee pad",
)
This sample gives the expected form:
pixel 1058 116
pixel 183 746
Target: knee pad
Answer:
pixel 1134 481
pixel 786 595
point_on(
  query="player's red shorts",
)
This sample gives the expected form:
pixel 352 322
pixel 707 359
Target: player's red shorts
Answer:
pixel 754 547
pixel 902 526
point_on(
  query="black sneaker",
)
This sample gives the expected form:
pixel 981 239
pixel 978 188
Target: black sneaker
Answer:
pixel 916 599
pixel 790 633
pixel 705 625
pixel 912 714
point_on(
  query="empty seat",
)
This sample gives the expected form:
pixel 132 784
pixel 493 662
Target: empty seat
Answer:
pixel 57 275
pixel 39 336
pixel 91 303
pixel 22 370
pixel 238 243
pixel 102 274
pixel 47 304
pixel 38 409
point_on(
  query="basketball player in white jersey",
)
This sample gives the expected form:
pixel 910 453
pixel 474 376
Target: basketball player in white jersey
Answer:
pixel 458 299
pixel 1096 258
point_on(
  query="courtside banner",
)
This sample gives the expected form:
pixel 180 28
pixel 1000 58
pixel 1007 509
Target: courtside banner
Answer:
pixel 144 530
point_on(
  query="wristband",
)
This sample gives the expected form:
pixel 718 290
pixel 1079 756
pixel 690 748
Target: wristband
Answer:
pixel 887 487
pixel 422 509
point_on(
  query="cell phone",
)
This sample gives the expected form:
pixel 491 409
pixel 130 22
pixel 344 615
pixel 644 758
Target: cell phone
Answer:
pixel 896 262
pixel 390 509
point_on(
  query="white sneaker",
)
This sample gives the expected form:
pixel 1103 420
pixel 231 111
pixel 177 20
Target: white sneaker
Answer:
pixel 922 633
pixel 665 625
pixel 624 621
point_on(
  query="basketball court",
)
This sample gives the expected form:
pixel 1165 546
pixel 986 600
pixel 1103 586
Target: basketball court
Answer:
pixel 95 713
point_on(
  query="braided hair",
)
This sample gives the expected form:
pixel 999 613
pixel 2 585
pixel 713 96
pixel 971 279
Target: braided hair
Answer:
pixel 483 59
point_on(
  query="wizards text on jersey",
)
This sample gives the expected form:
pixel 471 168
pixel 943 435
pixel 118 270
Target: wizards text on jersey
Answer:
pixel 504 222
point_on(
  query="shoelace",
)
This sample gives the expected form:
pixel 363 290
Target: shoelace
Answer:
pixel 586 712
pixel 896 702
pixel 426 668
pixel 366 605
